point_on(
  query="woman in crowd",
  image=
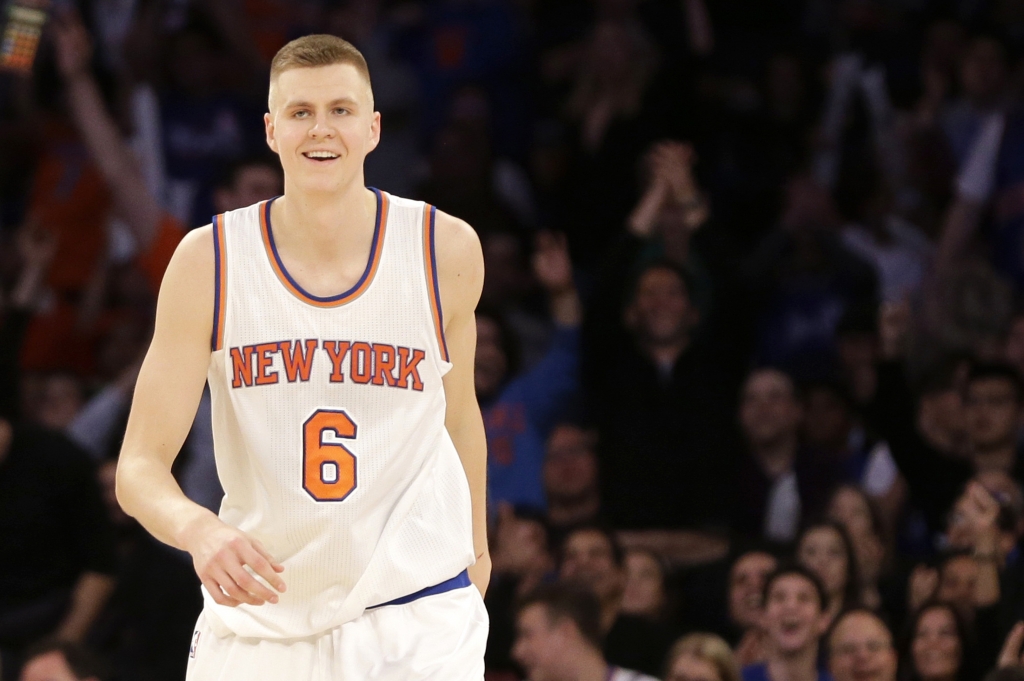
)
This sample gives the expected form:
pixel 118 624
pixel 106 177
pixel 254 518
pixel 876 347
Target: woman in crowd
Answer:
pixel 857 513
pixel 937 645
pixel 645 593
pixel 701 657
pixel 825 549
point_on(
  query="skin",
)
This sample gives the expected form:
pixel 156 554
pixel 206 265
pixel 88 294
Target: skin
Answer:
pixel 935 650
pixel 644 592
pixel 993 414
pixel 793 616
pixel 323 226
pixel 746 587
pixel 588 557
pixel 958 580
pixel 861 649
pixel 570 468
pixel 50 667
pixel 661 314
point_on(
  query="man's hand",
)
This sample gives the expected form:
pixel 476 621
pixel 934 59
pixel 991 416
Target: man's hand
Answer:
pixel 924 582
pixel 981 510
pixel 221 555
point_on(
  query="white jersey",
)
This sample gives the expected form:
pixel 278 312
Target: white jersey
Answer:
pixel 328 424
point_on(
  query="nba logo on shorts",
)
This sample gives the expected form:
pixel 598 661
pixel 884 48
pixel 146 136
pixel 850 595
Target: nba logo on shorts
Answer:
pixel 195 644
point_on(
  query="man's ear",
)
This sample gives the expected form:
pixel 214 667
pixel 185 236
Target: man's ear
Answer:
pixel 268 125
pixel 374 131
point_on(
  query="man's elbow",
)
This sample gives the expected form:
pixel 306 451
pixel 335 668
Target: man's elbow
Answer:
pixel 123 485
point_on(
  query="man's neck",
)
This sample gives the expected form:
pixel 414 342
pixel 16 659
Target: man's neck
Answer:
pixel 798 666
pixel 776 456
pixel 566 512
pixel 587 665
pixel 322 225
pixel 1001 458
pixel 666 353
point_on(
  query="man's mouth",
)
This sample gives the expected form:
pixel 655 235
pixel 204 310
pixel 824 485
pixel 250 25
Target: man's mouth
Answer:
pixel 320 155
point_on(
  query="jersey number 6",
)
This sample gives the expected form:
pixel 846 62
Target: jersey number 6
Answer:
pixel 328 468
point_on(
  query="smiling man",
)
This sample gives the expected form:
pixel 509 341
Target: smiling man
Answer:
pixel 335 327
pixel 860 648
pixel 794 618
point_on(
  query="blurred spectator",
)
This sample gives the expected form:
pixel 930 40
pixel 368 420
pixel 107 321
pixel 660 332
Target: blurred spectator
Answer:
pixel 592 556
pixel 937 645
pixel 571 478
pixel 521 559
pixel 778 482
pixel 826 550
pixel 520 408
pixel 661 407
pixel 856 512
pixel 559 637
pixel 701 657
pixel 803 279
pixel 795 617
pixel 645 593
pixel 745 602
pixel 62 661
pixel 983 79
pixel 860 647
pixel 59 559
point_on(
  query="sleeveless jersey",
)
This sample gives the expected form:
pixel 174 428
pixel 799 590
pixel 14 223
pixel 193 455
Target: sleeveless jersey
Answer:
pixel 328 424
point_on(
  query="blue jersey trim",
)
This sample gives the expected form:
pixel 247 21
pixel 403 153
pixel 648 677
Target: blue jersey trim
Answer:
pixel 457 582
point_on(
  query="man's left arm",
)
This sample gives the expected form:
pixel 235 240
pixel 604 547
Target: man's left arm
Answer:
pixel 460 268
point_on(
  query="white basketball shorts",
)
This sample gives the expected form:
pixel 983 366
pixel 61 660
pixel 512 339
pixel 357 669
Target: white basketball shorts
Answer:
pixel 440 637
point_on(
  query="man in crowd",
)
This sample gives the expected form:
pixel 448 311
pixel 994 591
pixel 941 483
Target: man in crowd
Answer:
pixel 58 553
pixel 571 479
pixel 559 637
pixel 860 648
pixel 795 617
pixel 661 405
pixel 777 483
pixel 592 556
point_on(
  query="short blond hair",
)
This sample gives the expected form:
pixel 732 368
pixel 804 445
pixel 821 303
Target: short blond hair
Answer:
pixel 709 648
pixel 315 50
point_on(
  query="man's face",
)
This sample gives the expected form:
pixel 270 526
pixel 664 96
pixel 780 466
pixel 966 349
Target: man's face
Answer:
pixel 993 413
pixel 540 644
pixel 661 310
pixel 827 419
pixel 491 364
pixel 793 617
pixel 322 125
pixel 588 558
pixel 769 408
pixel 252 184
pixel 48 667
pixel 746 587
pixel 861 650
pixel 570 468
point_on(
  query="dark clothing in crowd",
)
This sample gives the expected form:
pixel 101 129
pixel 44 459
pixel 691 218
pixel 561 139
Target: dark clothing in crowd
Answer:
pixel 663 439
pixel 53 528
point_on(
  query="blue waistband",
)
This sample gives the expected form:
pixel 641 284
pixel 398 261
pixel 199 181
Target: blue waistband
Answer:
pixel 457 582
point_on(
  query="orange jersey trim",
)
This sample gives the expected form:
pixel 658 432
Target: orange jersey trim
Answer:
pixel 433 289
pixel 376 247
pixel 220 276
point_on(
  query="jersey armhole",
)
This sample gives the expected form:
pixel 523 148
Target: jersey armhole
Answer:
pixel 219 283
pixel 433 289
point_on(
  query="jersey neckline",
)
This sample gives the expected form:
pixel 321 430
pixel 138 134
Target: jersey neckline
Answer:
pixel 376 247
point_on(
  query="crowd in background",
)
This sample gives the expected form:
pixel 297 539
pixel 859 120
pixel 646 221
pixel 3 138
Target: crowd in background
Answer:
pixel 750 351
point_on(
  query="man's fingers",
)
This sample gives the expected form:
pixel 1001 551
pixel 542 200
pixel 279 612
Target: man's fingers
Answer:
pixel 252 586
pixel 275 567
pixel 217 595
pixel 1011 648
pixel 231 587
pixel 263 567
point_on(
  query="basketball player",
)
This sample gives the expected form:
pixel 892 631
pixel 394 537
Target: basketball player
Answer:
pixel 335 326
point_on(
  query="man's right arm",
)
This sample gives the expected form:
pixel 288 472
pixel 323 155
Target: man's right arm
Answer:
pixel 167 395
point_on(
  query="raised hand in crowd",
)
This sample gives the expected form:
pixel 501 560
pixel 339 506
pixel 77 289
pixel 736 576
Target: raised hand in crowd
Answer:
pixel 519 549
pixel 671 185
pixel 921 588
pixel 36 247
pixel 552 268
pixel 981 514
